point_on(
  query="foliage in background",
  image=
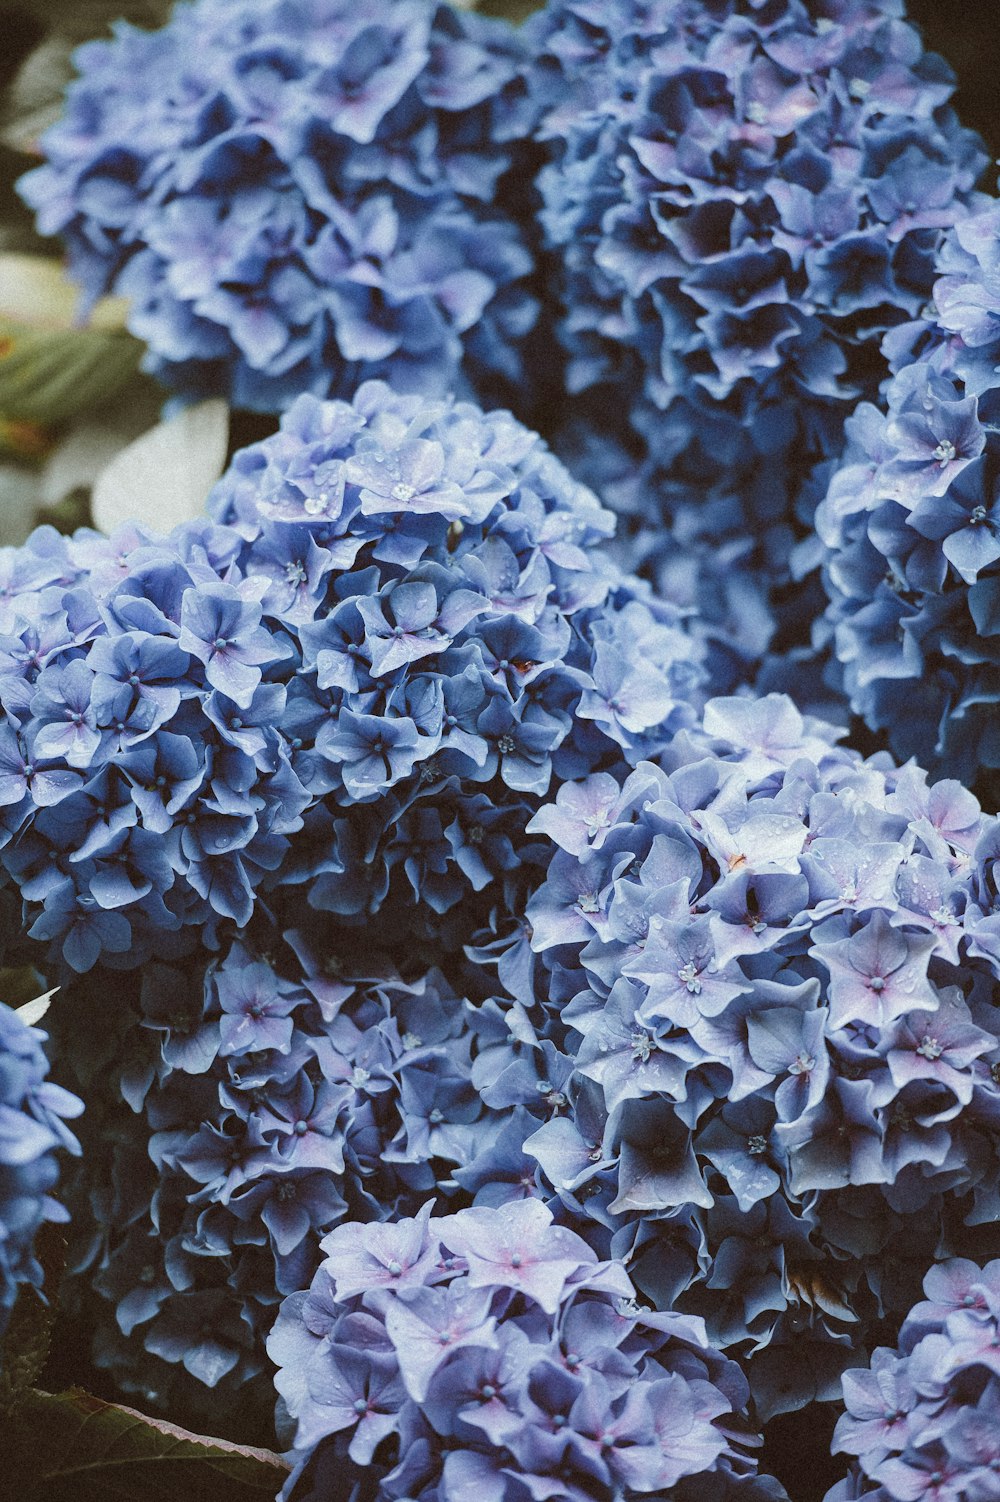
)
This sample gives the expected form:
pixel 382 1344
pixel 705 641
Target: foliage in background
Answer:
pixel 92 1451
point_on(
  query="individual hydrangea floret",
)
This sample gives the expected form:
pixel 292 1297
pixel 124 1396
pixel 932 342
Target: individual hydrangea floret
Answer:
pixel 296 196
pixel 767 1004
pixel 360 675
pixel 741 198
pixel 923 1422
pixel 911 522
pixel 33 1116
pixel 490 1353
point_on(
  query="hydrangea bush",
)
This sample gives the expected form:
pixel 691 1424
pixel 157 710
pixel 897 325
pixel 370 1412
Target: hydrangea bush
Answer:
pixel 741 200
pixel 559 1067
pixel 489 1353
pixel 299 195
pixel 359 675
pixel 922 1422
pixel 769 1000
pixel 910 524
pixel 33 1116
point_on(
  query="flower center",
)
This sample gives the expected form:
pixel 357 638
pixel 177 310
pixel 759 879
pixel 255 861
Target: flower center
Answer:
pixel 689 975
pixel 642 1047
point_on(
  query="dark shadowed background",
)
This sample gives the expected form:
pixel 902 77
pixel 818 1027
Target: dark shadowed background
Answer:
pixel 967 33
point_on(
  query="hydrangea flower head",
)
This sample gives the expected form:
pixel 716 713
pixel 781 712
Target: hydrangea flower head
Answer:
pixel 911 521
pixel 741 199
pixel 298 195
pixel 923 1422
pixel 363 672
pixel 491 1352
pixel 251 1103
pixel 33 1116
pixel 768 998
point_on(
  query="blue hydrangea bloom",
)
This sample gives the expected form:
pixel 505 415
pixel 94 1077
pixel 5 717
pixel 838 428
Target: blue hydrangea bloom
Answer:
pixel 490 1353
pixel 295 196
pixel 33 1116
pixel 254 1103
pixel 911 521
pixel 922 1423
pixel 741 199
pixel 359 676
pixel 766 994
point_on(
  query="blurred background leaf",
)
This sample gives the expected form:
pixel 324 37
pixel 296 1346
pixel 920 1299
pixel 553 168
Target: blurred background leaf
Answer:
pixel 81 19
pixel 34 98
pixel 53 29
pixel 49 376
pixel 71 1447
pixel 511 10
pixel 52 368
pixel 25 1345
pixel 35 290
pixel 164 476
pixel 19 984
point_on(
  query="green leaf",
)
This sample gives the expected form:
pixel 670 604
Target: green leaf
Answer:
pixel 49 376
pixel 20 495
pixel 25 1346
pixel 71 1447
pixel 510 10
pixel 51 366
pixel 35 98
pixel 18 984
pixel 80 19
pixel 35 291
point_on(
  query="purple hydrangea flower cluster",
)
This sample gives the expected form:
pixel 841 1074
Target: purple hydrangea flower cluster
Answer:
pixel 489 1354
pixel 924 1421
pixel 911 524
pixel 770 1010
pixel 742 199
pixel 33 1116
pixel 358 677
pixel 296 196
